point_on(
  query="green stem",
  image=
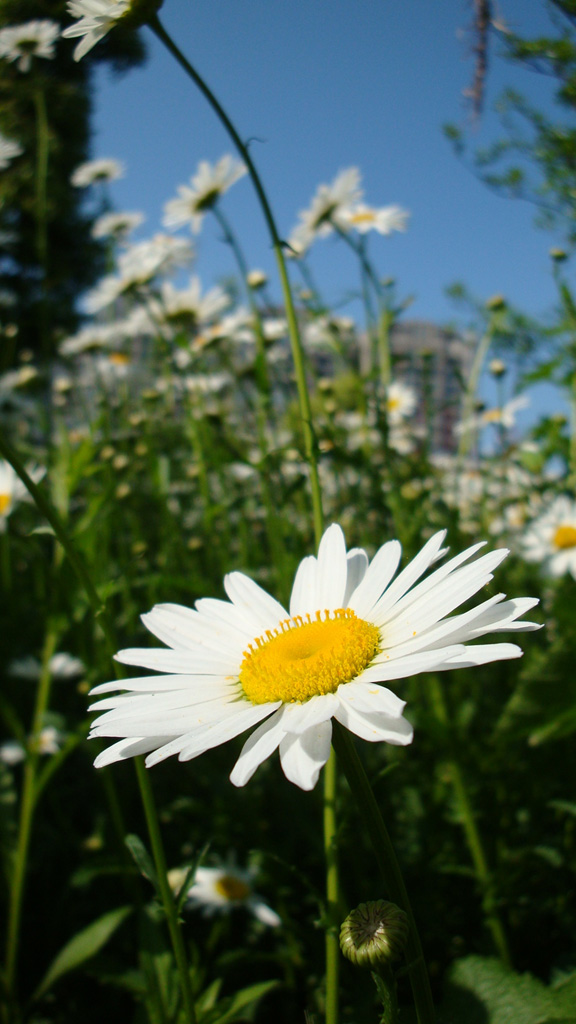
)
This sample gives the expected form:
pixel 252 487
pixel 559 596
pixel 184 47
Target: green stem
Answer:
pixel 27 805
pixel 166 892
pixel 472 389
pixel 41 209
pixel 470 828
pixel 293 332
pixel 385 316
pixel 331 860
pixel 385 857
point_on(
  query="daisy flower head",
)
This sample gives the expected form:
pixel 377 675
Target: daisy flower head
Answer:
pixel 203 192
pixel 401 401
pixel 12 490
pixel 94 20
pixel 96 172
pixel 326 210
pixel 551 539
pixel 20 43
pixel 117 225
pixel 352 627
pixel 384 220
pixel 222 889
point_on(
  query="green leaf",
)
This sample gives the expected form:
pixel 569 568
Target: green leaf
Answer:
pixel 83 946
pixel 244 1001
pixel 483 991
pixel 142 858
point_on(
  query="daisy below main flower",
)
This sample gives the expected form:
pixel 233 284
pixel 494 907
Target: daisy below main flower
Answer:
pixel 352 626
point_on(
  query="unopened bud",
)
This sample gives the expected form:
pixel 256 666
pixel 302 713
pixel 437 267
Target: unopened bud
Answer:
pixel 497 302
pixel 374 933
pixel 559 255
pixel 497 367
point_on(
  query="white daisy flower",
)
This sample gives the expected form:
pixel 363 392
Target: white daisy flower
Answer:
pixel 551 539
pixel 350 628
pixel 205 189
pixel 385 220
pixel 97 171
pixel 189 304
pixel 95 19
pixel 21 43
pixel 9 150
pixel 499 416
pixel 12 752
pixel 401 401
pixel 220 890
pixel 61 666
pixel 326 209
pixel 116 225
pixel 12 490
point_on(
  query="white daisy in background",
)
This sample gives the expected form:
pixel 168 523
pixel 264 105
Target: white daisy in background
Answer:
pixel 256 279
pixel 222 889
pixel 12 752
pixel 326 209
pixel 137 266
pixel 188 304
pixel 12 490
pixel 21 43
pixel 95 19
pixel 551 539
pixel 384 220
pixel 48 741
pixel 205 189
pixel 351 627
pixel 61 666
pixel 499 416
pixel 96 172
pixel 9 150
pixel 117 225
pixel 401 401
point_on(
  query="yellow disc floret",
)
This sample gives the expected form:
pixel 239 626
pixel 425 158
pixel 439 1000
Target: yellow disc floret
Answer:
pixel 307 656
pixel 5 502
pixel 232 888
pixel 565 537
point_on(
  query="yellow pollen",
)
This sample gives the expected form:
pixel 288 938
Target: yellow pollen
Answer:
pixel 363 217
pixel 392 404
pixel 5 502
pixel 565 537
pixel 307 656
pixel 232 888
pixel 119 358
pixel 492 416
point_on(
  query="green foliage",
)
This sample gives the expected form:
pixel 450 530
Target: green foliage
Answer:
pixel 483 991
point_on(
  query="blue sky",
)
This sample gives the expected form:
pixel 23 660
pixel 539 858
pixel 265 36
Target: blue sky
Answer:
pixel 325 85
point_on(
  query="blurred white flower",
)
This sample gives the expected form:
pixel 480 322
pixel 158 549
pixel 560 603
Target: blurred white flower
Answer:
pixel 139 264
pixel 96 18
pixel 219 890
pixel 96 171
pixel 384 220
pixel 205 189
pixel 551 539
pixel 61 666
pixel 401 401
pixel 12 490
pixel 256 279
pixel 326 209
pixel 116 225
pixel 504 416
pixel 189 303
pixel 21 43
pixel 12 752
pixel 9 150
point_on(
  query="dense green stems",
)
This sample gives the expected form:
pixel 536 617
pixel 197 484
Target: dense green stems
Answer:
pixel 27 804
pixel 470 827
pixel 101 615
pixel 331 859
pixel 41 210
pixel 385 857
pixel 277 245
pixel 168 900
pixel 5 561
pixel 472 389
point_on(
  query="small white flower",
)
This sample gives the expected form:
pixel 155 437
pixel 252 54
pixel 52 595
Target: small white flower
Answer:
pixel 401 401
pixel 21 43
pixel 97 171
pixel 351 628
pixel 116 225
pixel 96 18
pixel 256 279
pixel 12 490
pixel 9 150
pixel 551 539
pixel 61 666
pixel 205 189
pixel 326 209
pixel 384 220
pixel 12 752
pixel 189 303
pixel 503 416
pixel 220 890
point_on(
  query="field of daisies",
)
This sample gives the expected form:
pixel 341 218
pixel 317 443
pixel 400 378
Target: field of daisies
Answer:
pixel 288 701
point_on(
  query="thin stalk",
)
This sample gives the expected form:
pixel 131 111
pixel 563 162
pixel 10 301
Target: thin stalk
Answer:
pixel 471 830
pixel 385 857
pixel 331 860
pixel 41 209
pixel 384 319
pixel 101 615
pixel 293 332
pixel 472 389
pixel 27 804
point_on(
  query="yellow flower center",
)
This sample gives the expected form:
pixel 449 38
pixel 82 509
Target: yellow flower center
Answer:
pixel 362 217
pixel 492 416
pixel 565 537
pixel 119 358
pixel 306 657
pixel 392 404
pixel 232 888
pixel 5 502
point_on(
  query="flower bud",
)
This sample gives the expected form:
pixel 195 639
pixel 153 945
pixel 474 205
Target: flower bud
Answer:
pixel 497 367
pixel 496 303
pixel 558 255
pixel 374 933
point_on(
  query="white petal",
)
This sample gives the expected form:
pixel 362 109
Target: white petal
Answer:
pixel 187 662
pixel 303 757
pixel 375 728
pixel 304 591
pixel 376 579
pixel 436 577
pixel 371 698
pixel 264 913
pixel 410 664
pixel 480 654
pixel 149 721
pixel 186 629
pixel 423 560
pixel 297 718
pixel 357 560
pixel 222 731
pixel 332 569
pixel 169 683
pixel 252 599
pixel 259 746
pixel 127 748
